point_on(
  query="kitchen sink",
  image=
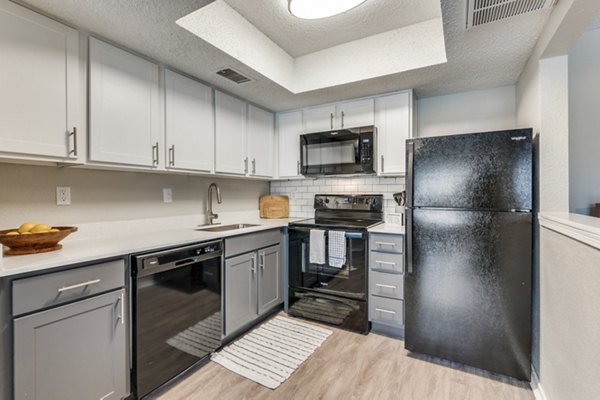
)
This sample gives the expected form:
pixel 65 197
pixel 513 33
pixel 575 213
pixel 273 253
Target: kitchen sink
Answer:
pixel 221 228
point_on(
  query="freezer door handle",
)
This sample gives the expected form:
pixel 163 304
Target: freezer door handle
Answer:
pixel 409 247
pixel 409 173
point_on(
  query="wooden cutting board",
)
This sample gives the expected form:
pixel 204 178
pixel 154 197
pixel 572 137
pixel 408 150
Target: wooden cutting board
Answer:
pixel 274 206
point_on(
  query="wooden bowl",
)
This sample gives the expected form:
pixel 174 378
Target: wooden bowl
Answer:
pixel 36 242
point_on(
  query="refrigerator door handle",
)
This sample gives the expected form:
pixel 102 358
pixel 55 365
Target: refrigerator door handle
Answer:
pixel 409 244
pixel 409 173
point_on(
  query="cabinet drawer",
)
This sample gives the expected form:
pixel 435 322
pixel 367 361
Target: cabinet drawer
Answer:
pixel 386 262
pixel 251 242
pixel 387 285
pixel 384 242
pixel 30 294
pixel 386 311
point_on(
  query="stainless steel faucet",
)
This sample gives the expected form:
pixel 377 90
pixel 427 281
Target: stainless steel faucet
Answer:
pixel 210 214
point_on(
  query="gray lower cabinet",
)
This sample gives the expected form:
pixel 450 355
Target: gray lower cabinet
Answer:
pixel 253 280
pixel 75 351
pixel 386 283
pixel 70 334
pixel 240 291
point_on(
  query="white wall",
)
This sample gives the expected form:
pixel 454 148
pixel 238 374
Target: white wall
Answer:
pixel 28 193
pixel 584 123
pixel 467 112
pixel 570 308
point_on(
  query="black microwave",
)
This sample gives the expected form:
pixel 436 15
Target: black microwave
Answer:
pixel 339 152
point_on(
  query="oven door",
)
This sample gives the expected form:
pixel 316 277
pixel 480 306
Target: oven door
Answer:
pixel 349 280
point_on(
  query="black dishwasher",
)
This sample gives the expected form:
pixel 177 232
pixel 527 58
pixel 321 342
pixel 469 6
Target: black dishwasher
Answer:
pixel 177 319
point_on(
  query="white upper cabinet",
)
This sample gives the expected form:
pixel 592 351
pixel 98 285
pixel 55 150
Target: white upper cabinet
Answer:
pixel 39 83
pixel 393 119
pixel 189 124
pixel 125 112
pixel 260 142
pixel 347 114
pixel 289 129
pixel 352 114
pixel 230 135
pixel 318 119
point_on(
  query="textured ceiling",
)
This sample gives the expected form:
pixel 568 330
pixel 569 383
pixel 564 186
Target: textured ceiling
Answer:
pixel 488 56
pixel 298 37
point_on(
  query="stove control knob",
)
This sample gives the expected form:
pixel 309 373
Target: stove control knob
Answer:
pixel 327 200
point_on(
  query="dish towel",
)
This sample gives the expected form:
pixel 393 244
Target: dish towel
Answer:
pixel 337 248
pixel 317 246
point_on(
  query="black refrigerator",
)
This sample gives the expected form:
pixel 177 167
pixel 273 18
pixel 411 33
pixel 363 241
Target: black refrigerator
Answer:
pixel 469 249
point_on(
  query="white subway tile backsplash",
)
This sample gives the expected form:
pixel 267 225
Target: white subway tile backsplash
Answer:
pixel 302 192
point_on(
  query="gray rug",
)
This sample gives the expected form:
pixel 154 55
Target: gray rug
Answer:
pixel 272 352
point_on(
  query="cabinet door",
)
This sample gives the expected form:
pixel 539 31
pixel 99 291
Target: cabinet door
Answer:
pixel 352 114
pixel 270 279
pixel 230 135
pixel 124 107
pixel 319 119
pixel 189 124
pixel 289 129
pixel 66 352
pixel 393 118
pixel 39 77
pixel 240 291
pixel 260 142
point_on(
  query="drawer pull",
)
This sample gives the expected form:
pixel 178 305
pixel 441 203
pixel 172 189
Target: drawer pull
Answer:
pixel 66 288
pixel 385 311
pixel 385 262
pixel 386 286
pixel 386 244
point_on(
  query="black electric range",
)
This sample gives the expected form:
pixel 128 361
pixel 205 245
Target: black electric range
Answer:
pixel 329 292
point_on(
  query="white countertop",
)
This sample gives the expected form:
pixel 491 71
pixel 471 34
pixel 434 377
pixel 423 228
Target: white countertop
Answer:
pixel 393 229
pixel 104 243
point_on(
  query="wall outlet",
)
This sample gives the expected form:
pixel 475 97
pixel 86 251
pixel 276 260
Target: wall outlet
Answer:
pixel 63 196
pixel 167 195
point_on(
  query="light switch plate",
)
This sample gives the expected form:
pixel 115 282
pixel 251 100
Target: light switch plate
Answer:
pixel 167 195
pixel 63 196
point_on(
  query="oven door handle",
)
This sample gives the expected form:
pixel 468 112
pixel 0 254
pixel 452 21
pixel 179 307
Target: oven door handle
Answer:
pixel 352 235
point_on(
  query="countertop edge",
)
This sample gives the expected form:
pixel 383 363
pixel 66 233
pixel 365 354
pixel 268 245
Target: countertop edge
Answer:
pixel 75 253
pixel 582 228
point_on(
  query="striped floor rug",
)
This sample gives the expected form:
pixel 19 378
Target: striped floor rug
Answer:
pixel 271 353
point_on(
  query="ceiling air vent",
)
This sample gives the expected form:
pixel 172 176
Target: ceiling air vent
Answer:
pixel 233 75
pixel 480 12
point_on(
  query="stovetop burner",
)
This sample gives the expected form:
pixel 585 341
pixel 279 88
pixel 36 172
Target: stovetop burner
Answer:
pixel 345 211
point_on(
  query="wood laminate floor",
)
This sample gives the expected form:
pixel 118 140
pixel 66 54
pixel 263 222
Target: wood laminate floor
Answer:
pixel 353 366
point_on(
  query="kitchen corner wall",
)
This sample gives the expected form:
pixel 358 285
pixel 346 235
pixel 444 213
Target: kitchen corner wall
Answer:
pixel 302 192
pixel 28 193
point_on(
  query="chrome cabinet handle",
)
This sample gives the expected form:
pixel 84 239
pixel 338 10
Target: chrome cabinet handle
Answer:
pixel 262 261
pixel 67 288
pixel 246 165
pixel 386 244
pixel 385 262
pixel 385 311
pixel 298 167
pixel 172 155
pixel 121 317
pixel 155 154
pixel 252 266
pixel 331 120
pixel 386 286
pixel 382 164
pixel 74 149
pixel 342 119
pixel 254 165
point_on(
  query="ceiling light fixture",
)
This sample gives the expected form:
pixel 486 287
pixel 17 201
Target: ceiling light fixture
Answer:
pixel 315 9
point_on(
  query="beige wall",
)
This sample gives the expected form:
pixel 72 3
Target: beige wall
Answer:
pixel 570 316
pixel 28 193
